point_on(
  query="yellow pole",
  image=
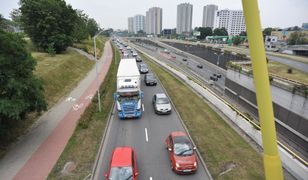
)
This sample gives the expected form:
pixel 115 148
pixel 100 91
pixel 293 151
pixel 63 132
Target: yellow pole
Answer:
pixel 271 159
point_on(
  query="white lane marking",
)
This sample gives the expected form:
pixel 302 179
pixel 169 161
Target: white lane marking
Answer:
pixel 151 178
pixel 142 107
pixel 146 135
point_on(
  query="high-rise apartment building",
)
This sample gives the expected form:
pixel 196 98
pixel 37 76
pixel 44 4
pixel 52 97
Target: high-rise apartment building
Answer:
pixel 131 25
pixel 184 18
pixel 153 20
pixel 209 12
pixel 232 20
pixel 139 23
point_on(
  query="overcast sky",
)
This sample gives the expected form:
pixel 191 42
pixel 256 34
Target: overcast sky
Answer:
pixel 114 13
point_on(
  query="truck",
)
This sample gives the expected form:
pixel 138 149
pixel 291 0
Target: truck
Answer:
pixel 128 96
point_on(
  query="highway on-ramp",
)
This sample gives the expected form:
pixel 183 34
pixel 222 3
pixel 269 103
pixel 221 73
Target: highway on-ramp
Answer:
pixel 147 136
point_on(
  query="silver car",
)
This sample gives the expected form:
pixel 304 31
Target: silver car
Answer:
pixel 161 104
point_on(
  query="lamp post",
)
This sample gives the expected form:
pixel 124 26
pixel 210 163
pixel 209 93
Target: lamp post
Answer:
pixel 218 56
pixel 97 85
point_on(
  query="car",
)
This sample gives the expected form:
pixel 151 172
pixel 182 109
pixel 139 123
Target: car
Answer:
pixel 217 75
pixel 200 66
pixel 184 59
pixel 134 54
pixel 214 78
pixel 150 80
pixel 183 159
pixel 143 68
pixel 138 59
pixel 161 104
pixel 123 164
pixel 125 54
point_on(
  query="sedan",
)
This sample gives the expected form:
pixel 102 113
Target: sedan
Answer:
pixel 149 80
pixel 123 164
pixel 161 104
pixel 143 68
pixel 138 59
pixel 200 66
pixel 183 159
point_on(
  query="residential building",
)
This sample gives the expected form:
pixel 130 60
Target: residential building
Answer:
pixel 305 26
pixel 131 25
pixel 139 23
pixel 209 12
pixel 232 20
pixel 184 18
pixel 153 20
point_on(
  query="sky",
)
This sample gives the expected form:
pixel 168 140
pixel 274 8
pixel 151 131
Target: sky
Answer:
pixel 114 14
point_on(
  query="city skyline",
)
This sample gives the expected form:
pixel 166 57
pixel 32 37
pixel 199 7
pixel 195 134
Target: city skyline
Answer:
pixel 110 16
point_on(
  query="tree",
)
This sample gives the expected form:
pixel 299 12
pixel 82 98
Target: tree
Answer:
pixel 20 91
pixel 92 27
pixel 16 17
pixel 220 32
pixel 48 21
pixel 267 31
pixel 297 38
pixel 236 40
pixel 80 27
pixel 204 32
pixel 1 22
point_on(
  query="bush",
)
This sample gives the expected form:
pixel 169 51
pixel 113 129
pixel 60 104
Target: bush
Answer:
pixel 290 71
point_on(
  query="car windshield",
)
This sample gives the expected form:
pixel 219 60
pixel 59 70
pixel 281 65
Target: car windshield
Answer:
pixel 128 98
pixel 182 146
pixel 121 173
pixel 150 77
pixel 162 101
pixel 143 66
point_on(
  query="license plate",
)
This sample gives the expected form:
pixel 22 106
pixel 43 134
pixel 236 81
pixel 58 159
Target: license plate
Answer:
pixel 187 170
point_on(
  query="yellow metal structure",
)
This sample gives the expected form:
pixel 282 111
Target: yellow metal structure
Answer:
pixel 271 159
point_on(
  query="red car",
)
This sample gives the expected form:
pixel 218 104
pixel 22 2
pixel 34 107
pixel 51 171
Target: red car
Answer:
pixel 182 155
pixel 123 164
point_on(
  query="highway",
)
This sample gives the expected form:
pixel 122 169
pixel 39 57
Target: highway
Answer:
pixel 190 66
pixel 147 136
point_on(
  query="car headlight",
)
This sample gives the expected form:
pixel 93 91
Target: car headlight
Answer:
pixel 195 164
pixel 177 165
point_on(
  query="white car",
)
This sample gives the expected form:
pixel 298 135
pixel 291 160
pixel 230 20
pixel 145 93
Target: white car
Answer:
pixel 161 104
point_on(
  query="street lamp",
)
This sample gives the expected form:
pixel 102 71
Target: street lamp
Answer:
pixel 218 56
pixel 97 84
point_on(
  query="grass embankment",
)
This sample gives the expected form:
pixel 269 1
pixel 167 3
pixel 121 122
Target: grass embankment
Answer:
pixel 59 74
pixel 88 45
pixel 218 143
pixel 83 145
pixel 281 70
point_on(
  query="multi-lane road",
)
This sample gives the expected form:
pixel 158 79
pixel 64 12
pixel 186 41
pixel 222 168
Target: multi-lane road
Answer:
pixel 147 136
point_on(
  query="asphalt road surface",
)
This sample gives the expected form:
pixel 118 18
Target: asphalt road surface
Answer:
pixel 152 156
pixel 189 66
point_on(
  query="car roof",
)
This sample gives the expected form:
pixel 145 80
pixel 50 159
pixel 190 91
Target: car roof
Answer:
pixel 161 95
pixel 122 156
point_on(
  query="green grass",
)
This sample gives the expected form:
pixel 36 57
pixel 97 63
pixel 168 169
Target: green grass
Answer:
pixel 280 69
pixel 218 143
pixel 84 144
pixel 87 45
pixel 60 73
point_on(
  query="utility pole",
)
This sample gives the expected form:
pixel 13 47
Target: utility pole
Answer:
pixel 271 159
pixel 97 84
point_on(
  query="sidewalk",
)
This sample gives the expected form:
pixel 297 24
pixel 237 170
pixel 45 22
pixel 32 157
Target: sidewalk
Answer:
pixel 34 156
